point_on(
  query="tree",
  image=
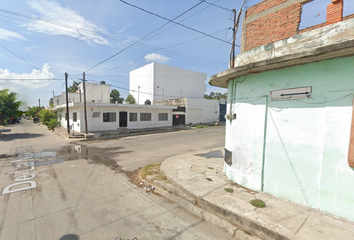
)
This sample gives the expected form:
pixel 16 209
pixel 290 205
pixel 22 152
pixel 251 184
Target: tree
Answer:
pixel 9 105
pixel 51 103
pixel 115 96
pixel 216 96
pixel 130 99
pixel 33 111
pixel 48 118
pixel 73 88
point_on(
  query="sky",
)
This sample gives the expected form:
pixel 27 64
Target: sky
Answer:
pixel 40 40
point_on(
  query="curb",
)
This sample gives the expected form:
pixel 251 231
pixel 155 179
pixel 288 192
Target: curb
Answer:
pixel 190 204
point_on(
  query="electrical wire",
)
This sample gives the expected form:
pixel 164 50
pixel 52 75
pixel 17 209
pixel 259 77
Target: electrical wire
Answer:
pixel 218 6
pixel 141 39
pixel 172 21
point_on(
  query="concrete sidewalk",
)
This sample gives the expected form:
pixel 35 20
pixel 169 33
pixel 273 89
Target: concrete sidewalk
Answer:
pixel 197 182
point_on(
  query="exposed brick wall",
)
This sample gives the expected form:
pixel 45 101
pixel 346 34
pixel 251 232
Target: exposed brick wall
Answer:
pixel 273 27
pixel 334 12
pixel 283 23
pixel 264 5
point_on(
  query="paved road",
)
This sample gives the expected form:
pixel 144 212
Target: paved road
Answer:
pixel 72 194
pixel 132 153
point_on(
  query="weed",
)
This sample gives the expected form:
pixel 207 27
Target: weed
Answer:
pixel 258 203
pixel 230 190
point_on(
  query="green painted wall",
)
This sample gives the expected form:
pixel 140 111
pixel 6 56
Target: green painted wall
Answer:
pixel 302 144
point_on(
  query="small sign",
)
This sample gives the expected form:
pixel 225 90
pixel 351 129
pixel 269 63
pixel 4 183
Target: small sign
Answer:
pixel 177 116
pixel 291 93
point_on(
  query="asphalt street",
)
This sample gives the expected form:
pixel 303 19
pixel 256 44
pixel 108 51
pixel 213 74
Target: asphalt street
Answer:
pixel 55 189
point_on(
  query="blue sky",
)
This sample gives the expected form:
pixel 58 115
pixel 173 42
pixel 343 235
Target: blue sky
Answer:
pixel 43 39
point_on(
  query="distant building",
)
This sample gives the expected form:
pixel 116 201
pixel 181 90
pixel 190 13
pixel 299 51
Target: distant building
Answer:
pixel 157 81
pixel 105 116
pixel 192 110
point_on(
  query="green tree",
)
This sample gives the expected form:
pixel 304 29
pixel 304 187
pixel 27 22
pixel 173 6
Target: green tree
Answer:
pixel 48 118
pixel 51 103
pixel 9 105
pixel 130 99
pixel 73 88
pixel 33 111
pixel 216 96
pixel 115 96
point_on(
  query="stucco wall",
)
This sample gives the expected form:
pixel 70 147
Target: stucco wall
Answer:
pixel 199 110
pixel 303 144
pixel 160 82
pixel 95 117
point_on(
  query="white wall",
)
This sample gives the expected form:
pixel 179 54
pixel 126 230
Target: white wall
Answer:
pixel 160 82
pixel 72 97
pixel 95 117
pixel 144 78
pixel 100 93
pixel 200 110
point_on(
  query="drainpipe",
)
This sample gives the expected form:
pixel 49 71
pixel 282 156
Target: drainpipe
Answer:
pixel 264 140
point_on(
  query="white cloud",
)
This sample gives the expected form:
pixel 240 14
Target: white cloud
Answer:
pixel 81 28
pixel 155 57
pixel 25 80
pixel 8 35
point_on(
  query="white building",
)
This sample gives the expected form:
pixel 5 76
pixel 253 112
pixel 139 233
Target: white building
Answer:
pixel 104 116
pixel 109 116
pixel 98 93
pixel 157 81
pixel 192 110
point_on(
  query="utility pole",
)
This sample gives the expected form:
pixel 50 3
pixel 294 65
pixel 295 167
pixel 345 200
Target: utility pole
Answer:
pixel 67 104
pixel 138 93
pixel 53 98
pixel 232 54
pixel 85 113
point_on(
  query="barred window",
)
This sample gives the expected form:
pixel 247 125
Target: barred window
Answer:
pixel 133 117
pixel 109 117
pixel 74 117
pixel 163 116
pixel 145 116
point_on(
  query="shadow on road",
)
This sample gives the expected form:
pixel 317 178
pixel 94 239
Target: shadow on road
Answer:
pixel 14 136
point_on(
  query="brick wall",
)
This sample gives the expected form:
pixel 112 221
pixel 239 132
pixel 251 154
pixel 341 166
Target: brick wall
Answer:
pixel 273 27
pixel 282 23
pixel 255 9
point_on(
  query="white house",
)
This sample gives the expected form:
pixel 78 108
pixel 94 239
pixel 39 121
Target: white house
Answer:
pixel 192 110
pixel 109 116
pixel 103 115
pixel 99 93
pixel 157 81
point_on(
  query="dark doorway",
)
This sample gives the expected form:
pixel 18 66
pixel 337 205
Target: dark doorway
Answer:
pixel 123 119
pixel 179 120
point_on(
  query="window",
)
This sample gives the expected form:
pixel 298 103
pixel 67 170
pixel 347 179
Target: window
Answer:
pixel 74 117
pixel 59 117
pixel 145 116
pixel 133 117
pixel 163 116
pixel 109 117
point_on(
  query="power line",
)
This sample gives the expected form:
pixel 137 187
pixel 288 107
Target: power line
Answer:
pixel 172 21
pixel 134 43
pixel 29 79
pixel 218 6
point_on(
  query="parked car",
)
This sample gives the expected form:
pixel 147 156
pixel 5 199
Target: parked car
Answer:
pixel 35 120
pixel 15 120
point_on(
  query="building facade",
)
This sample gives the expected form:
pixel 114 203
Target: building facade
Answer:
pixel 289 129
pixel 157 81
pixel 192 110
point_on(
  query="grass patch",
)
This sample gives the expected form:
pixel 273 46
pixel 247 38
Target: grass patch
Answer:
pixel 258 203
pixel 210 167
pixel 152 169
pixel 230 190
pixel 248 232
pixel 202 126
